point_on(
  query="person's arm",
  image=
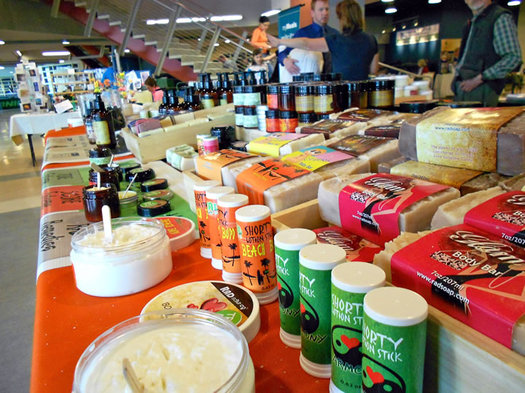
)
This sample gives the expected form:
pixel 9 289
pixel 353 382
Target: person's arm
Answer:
pixel 374 65
pixel 311 44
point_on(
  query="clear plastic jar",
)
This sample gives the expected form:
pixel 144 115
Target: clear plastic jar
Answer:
pixel 286 98
pixel 208 354
pixel 272 96
pixel 138 257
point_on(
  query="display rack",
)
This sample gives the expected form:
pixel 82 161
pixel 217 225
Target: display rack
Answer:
pixel 63 83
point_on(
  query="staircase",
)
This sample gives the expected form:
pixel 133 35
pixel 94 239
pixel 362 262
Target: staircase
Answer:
pixel 179 40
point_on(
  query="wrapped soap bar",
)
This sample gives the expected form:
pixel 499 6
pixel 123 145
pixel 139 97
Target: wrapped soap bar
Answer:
pixel 469 274
pixel 140 126
pixel 356 248
pixel 281 143
pixel 485 139
pixel 386 126
pixel 181 157
pixel 210 165
pixel 331 127
pixel 378 207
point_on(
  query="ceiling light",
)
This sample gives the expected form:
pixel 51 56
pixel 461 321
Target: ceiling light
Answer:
pixel 434 1
pixel 18 53
pixel 61 61
pixel 158 21
pixel 126 50
pixel 391 10
pixel 513 3
pixel 56 53
pixel 404 26
pixel 383 32
pixel 2 68
pixel 270 13
pixel 216 44
pixel 2 42
pixel 225 18
pixel 387 1
pixel 227 41
pixel 66 42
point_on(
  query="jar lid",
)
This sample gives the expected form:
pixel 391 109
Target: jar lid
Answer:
pixel 180 231
pixel 239 110
pixel 294 239
pixel 462 104
pixel 383 84
pixel 307 117
pixel 232 200
pixel 165 194
pixel 216 192
pixel 324 89
pixel 272 88
pixel 285 89
pixel 288 115
pixel 143 174
pixel 154 184
pixel 321 256
pixel 358 86
pixel 272 114
pixel 205 185
pixel 250 111
pixel 418 106
pixel 336 76
pixel 318 77
pixel 304 89
pixel 252 213
pixel 237 89
pixel 153 208
pixel 323 116
pixel 395 306
pixel 308 76
pixel 98 152
pixel 250 89
pixel 298 78
pixel 358 277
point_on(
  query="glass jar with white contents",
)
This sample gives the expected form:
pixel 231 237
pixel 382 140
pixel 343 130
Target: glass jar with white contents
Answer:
pixel 136 258
pixel 180 351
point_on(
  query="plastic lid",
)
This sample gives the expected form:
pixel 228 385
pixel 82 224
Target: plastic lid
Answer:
pixel 358 277
pixel 395 306
pixel 205 185
pixel 292 340
pixel 315 369
pixel 268 296
pixel 252 213
pixel 232 200
pixel 321 256
pixel 216 192
pixel 288 115
pixel 180 231
pixel 294 239
pixel 153 208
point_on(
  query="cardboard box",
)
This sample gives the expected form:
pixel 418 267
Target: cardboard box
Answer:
pixel 458 358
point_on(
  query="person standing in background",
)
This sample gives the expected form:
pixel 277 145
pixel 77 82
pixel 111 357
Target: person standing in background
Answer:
pixel 320 12
pixel 154 89
pixel 489 51
pixel 261 63
pixel 354 53
pixel 259 38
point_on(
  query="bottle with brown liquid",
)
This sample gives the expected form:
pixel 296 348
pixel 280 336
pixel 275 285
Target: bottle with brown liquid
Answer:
pixel 103 125
pixel 225 92
pixel 88 122
pixel 208 96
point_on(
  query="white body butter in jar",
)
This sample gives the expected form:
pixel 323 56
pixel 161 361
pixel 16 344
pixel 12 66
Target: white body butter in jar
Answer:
pixel 185 350
pixel 137 258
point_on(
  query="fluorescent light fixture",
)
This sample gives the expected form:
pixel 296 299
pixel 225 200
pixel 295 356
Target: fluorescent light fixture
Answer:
pixel 391 10
pixel 387 1
pixel 216 44
pixel 434 1
pixel 126 50
pixel 56 53
pixel 157 21
pixel 2 68
pixel 66 42
pixel 225 18
pixel 61 61
pixel 2 42
pixel 513 3
pixel 227 41
pixel 18 53
pixel 270 13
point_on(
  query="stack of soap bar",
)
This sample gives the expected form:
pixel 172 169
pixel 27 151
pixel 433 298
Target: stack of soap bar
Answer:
pixel 181 157
pixel 212 166
pixel 460 137
pixel 386 126
pixel 282 143
pixel 332 127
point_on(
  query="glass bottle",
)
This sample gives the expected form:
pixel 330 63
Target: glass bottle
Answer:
pixel 88 122
pixel 102 125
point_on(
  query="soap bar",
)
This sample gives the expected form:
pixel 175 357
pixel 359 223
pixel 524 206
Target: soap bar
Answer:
pixel 279 143
pixel 504 154
pixel 328 127
pixel 210 166
pixel 463 264
pixel 415 217
pixel 387 126
pixel 356 248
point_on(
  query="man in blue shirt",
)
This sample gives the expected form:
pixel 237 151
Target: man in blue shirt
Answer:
pixel 319 28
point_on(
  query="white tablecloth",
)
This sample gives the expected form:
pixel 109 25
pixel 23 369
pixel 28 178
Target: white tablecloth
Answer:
pixel 39 123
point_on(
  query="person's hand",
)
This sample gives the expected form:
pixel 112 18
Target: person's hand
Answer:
pixel 290 66
pixel 471 84
pixel 273 41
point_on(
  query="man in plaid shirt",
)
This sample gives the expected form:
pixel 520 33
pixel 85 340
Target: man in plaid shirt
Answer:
pixel 489 51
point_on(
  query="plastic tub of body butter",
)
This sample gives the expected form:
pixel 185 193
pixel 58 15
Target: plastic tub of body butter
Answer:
pixel 138 257
pixel 184 350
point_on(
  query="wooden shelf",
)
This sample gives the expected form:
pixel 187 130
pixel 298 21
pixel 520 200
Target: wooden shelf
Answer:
pixel 70 83
pixel 73 92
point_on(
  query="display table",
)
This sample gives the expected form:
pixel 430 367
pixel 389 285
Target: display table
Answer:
pixel 37 123
pixel 67 320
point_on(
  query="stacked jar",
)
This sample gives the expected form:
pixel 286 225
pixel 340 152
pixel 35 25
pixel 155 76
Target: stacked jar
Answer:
pixel 323 100
pixel 238 103
pixel 288 118
pixel 358 94
pixel 252 98
pixel 381 94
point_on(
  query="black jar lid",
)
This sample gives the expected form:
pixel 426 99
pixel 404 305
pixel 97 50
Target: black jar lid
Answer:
pixel 239 110
pixel 165 194
pixel 383 84
pixel 358 86
pixel 285 89
pixel 143 174
pixel 99 152
pixel 250 111
pixel 250 89
pixel 127 167
pixel 272 88
pixel 417 106
pixel 308 76
pixel 153 208
pixel 154 184
pixel 462 104
pixel 304 89
pixel 288 115
pixel 324 89
pixel 307 117
pixel 237 89
pixel 272 114
pixel 298 78
pixel 318 77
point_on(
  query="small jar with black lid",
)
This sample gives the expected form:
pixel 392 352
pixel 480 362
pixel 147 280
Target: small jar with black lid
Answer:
pixel 99 155
pixel 153 208
pixel 272 121
pixel 381 94
pixel 95 197
pixel 239 116
pixel 252 95
pixel 127 167
pixel 250 117
pixel 108 175
pixel 305 119
pixel 324 99
pixel 286 98
pixel 288 121
pixel 272 96
pixel 154 184
pixel 358 94
pixel 304 98
pixel 143 174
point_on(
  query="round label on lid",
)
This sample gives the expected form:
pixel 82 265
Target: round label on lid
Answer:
pixel 395 306
pixel 233 302
pixel 154 184
pixel 153 208
pixel 180 231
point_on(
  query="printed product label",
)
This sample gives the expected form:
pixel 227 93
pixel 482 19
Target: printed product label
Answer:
pixel 347 324
pixel 469 274
pixel 64 177
pixel 325 127
pixel 250 121
pixel 207 103
pixel 393 357
pixel 304 103
pixel 361 115
pixel 231 259
pixel 324 104
pixel 263 175
pixel 230 301
pixel 257 255
pixel 387 131
pixel 213 224
pixel 503 216
pixel 463 138
pixel 210 165
pixel 64 198
pixel 381 98
pixel 102 132
pixel 201 208
pixel 359 144
pixel 370 207
pixel 356 248
pixel 252 99
pixel 273 101
pixel 175 226
pixel 313 158
pixel 271 145
pixel 239 119
pixel 454 177
pixel 238 99
pixel 288 284
pixel 288 125
pixel 314 287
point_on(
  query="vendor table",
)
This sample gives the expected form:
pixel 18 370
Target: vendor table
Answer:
pixel 38 123
pixel 67 320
